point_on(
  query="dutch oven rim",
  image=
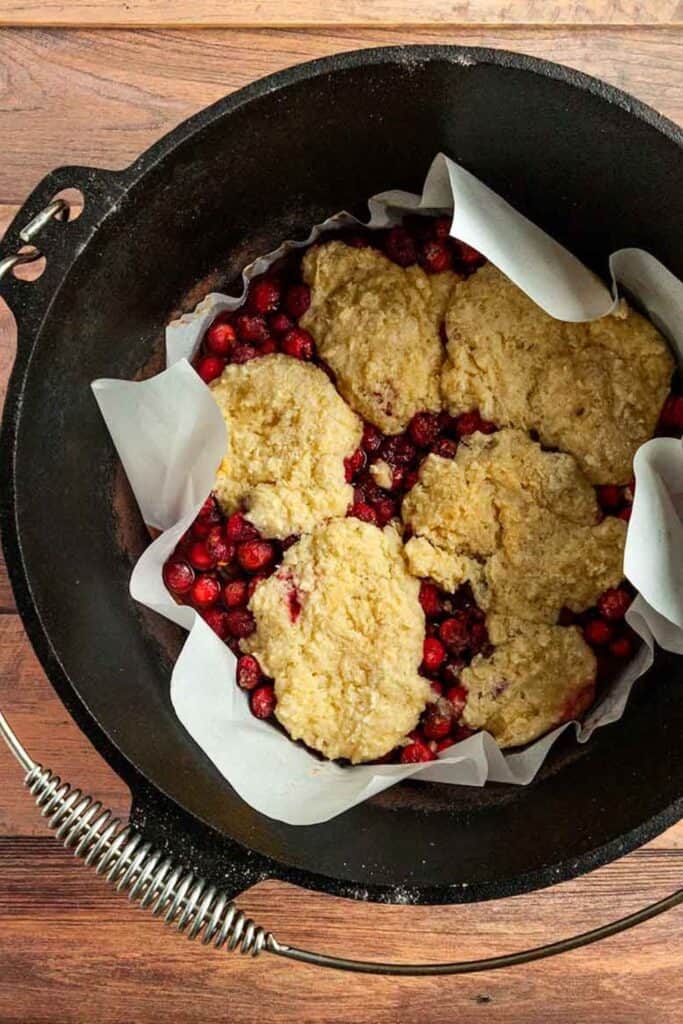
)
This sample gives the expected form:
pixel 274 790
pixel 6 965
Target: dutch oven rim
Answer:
pixel 121 182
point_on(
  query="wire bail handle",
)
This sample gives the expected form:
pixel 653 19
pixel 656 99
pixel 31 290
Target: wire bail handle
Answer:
pixel 169 890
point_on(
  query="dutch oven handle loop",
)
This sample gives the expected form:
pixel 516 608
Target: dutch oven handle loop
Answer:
pixel 32 236
pixel 172 891
pixel 58 209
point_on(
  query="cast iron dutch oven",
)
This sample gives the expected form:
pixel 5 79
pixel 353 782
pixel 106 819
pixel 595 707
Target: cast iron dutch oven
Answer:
pixel 592 166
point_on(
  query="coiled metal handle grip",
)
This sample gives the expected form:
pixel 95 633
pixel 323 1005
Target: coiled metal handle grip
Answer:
pixel 172 892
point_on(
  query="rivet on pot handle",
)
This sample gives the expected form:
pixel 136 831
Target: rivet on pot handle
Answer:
pixel 196 908
pixel 58 209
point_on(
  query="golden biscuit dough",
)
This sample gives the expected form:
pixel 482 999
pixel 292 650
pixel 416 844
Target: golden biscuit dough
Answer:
pixel 537 677
pixel 377 326
pixel 288 434
pixel 340 629
pixel 594 390
pixel 520 524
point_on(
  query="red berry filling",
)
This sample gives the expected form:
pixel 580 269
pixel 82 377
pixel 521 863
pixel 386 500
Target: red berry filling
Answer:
pixel 217 576
pixel 262 701
pixel 248 672
pixel 267 322
pixel 178 576
pixel 219 563
pixel 264 296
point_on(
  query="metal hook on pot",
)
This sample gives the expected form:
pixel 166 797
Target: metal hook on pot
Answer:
pixel 58 209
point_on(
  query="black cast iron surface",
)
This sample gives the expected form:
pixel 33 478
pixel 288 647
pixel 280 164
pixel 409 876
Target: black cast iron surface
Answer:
pixel 590 165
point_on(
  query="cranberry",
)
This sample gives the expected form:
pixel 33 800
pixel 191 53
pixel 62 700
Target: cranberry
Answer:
pixel 367 490
pixel 398 450
pixel 243 354
pixel 430 598
pixel 467 255
pixel 199 556
pixel 255 555
pixel 454 632
pixel 220 550
pixel 251 327
pixel 400 247
pixel 262 701
pixel 424 429
pixel 366 513
pixel 398 474
pixel 240 623
pixel 371 440
pixel 444 744
pixel 463 732
pixel 297 300
pixel 416 752
pixel 264 296
pixel 446 448
pixel 235 593
pixel 621 646
pixel 487 427
pixel 288 541
pixel 671 416
pixel 435 256
pixel 468 423
pixel 436 724
pixel 253 584
pixel 441 228
pixel 609 496
pixel 630 491
pixel 216 618
pixel 210 367
pixel 479 637
pixel 437 687
pixel 614 603
pixel 385 510
pixel 597 632
pixel 450 673
pixel 178 576
pixel 280 323
pixel 625 513
pixel 220 338
pixel 248 672
pixel 433 654
pixel 457 696
pixel 205 591
pixel 298 343
pixel 354 463
pixel 410 479
pixel 268 347
pixel 200 530
pixel 238 529
pixel 209 512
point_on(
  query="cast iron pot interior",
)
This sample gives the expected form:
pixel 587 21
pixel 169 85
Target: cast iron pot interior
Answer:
pixel 591 166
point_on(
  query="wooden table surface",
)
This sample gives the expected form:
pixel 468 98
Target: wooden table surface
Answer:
pixel 95 82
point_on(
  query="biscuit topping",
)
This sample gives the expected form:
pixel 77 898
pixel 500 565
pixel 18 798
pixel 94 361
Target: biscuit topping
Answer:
pixel 289 432
pixel 376 325
pixel 594 389
pixel 520 524
pixel 346 665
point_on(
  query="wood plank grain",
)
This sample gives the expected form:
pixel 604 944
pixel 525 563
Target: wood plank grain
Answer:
pixel 8 345
pixel 73 951
pixel 302 13
pixel 49 734
pixel 101 98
